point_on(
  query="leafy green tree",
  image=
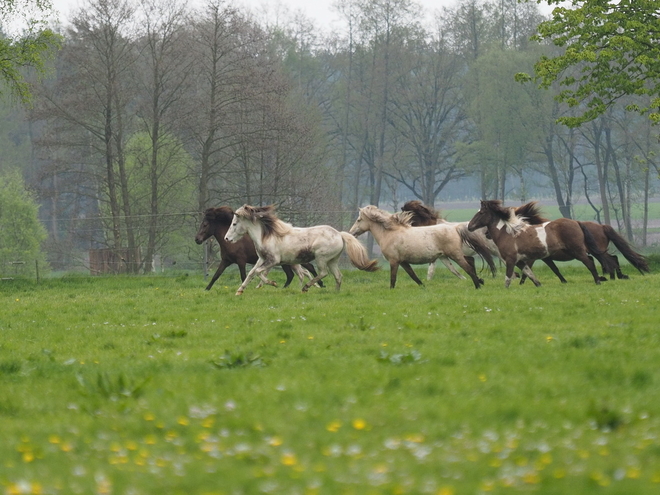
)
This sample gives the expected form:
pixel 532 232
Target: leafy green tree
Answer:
pixel 611 50
pixel 32 48
pixel 22 233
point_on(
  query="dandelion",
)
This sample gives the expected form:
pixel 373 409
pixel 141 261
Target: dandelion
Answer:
pixel 531 478
pixel 149 416
pixel 54 439
pixel 28 456
pixel 633 472
pixel 482 378
pixel 183 421
pixel 275 441
pixel 289 459
pixel 446 490
pixel 333 426
pixel 359 424
pixel 549 338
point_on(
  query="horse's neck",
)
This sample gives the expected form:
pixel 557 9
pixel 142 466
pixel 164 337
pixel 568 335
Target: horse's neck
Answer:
pixel 220 232
pixel 255 232
pixel 378 231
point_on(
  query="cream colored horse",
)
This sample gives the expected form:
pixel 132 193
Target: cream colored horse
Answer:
pixel 278 242
pixel 402 244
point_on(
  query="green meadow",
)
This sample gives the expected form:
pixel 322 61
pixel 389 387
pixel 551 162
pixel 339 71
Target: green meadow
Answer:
pixel 151 385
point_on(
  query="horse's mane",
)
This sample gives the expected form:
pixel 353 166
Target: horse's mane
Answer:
pixel 531 213
pixel 514 223
pixel 387 220
pixel 222 215
pixel 421 214
pixel 265 215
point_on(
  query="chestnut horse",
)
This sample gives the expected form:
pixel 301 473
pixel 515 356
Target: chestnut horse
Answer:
pixel 278 242
pixel 215 223
pixel 561 240
pixel 403 244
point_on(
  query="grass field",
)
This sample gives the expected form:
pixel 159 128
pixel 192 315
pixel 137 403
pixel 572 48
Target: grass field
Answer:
pixel 150 385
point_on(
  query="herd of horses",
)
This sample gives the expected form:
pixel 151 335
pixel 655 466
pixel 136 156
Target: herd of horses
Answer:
pixel 518 236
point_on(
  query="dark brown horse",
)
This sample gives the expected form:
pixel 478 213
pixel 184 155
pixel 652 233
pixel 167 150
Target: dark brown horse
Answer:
pixel 518 241
pixel 603 235
pixel 215 223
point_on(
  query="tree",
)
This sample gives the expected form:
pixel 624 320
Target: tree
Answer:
pixel 612 50
pixel 22 233
pixel 33 48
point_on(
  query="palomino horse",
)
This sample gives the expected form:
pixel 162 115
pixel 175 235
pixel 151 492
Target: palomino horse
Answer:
pixel 215 223
pixel 402 244
pixel 278 242
pixel 602 235
pixel 561 240
pixel 423 215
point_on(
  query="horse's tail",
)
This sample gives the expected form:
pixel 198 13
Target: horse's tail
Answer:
pixel 607 262
pixel 477 244
pixel 634 258
pixel 357 253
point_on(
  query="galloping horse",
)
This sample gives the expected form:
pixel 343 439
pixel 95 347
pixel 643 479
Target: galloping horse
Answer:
pixel 602 235
pixel 215 223
pixel 423 215
pixel 402 244
pixel 278 242
pixel 561 240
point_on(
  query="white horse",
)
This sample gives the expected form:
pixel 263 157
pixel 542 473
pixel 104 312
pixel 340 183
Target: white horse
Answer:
pixel 278 242
pixel 402 244
pixel 423 215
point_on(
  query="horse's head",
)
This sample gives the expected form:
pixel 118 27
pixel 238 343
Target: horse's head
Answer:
pixel 212 218
pixel 486 215
pixel 363 222
pixel 239 223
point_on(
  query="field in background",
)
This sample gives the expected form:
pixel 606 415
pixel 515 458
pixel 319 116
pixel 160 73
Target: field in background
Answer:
pixel 151 385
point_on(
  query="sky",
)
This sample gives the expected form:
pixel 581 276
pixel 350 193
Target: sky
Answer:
pixel 320 11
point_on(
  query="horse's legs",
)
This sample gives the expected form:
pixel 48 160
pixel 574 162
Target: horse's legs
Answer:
pixel 333 266
pixel 258 269
pixel 409 270
pixel 431 271
pixel 289 274
pixel 520 265
pixel 394 267
pixel 221 268
pixel 323 271
pixel 469 269
pixel 528 271
pixel 449 266
pixel 588 261
pixel 619 273
pixel 554 269
pixel 470 260
pixel 310 268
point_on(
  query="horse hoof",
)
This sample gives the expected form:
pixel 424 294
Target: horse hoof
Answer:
pixel 239 292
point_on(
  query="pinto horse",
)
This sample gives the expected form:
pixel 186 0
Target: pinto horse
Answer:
pixel 402 244
pixel 602 234
pixel 423 215
pixel 216 223
pixel 561 240
pixel 278 242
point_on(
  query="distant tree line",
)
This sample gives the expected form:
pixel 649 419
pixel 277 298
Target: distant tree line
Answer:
pixel 155 110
